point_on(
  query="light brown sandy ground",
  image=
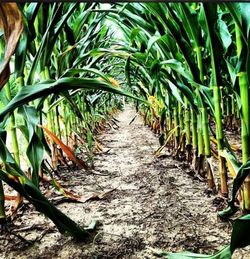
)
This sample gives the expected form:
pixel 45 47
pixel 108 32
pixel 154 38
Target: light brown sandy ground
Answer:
pixel 155 204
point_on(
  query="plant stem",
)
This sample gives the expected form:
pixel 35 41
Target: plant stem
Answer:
pixel 12 128
pixel 245 121
pixel 187 123
pixel 217 100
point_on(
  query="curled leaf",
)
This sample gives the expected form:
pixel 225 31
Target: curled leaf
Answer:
pixel 12 26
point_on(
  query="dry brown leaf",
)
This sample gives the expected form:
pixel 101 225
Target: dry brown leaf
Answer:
pixel 95 195
pixel 66 193
pixel 12 26
pixel 66 149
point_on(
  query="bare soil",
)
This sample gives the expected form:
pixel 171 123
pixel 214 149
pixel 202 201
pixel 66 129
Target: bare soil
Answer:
pixel 150 203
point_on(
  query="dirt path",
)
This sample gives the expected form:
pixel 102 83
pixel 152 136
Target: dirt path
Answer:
pixel 154 204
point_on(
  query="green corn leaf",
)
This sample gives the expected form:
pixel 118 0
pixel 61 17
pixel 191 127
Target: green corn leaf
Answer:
pixel 74 71
pixel 35 152
pixel 31 117
pixel 35 149
pixel 225 253
pixel 49 38
pixel 28 93
pixel 175 92
pixel 178 67
pixel 224 34
pixel 240 235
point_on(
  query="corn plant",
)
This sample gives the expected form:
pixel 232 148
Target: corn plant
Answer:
pixel 184 65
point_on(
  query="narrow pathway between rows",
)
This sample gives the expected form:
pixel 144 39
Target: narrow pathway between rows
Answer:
pixel 153 203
